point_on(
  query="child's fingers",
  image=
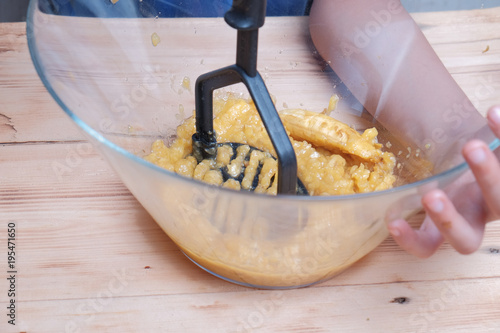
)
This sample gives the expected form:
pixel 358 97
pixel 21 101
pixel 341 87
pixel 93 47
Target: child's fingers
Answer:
pixel 443 221
pixel 486 169
pixel 494 119
pixel 462 235
pixel 494 122
pixel 421 243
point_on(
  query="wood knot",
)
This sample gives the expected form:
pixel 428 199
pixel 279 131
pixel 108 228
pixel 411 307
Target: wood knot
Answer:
pixel 401 300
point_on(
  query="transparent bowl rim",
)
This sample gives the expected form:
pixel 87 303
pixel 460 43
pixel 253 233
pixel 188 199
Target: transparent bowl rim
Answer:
pixel 454 171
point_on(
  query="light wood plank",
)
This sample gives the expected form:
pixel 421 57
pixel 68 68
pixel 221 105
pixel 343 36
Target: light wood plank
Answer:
pixel 401 307
pixel 27 112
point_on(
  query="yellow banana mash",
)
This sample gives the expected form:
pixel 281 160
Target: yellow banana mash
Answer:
pixel 332 158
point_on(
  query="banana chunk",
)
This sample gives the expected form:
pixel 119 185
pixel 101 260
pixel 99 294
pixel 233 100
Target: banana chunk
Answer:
pixel 326 132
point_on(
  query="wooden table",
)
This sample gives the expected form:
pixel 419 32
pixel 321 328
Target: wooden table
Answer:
pixel 89 258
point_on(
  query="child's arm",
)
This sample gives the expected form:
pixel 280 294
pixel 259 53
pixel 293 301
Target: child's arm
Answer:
pixel 382 56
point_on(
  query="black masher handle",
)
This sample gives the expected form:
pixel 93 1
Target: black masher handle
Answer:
pixel 247 16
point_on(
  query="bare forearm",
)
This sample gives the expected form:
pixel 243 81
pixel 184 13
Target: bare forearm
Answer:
pixel 385 60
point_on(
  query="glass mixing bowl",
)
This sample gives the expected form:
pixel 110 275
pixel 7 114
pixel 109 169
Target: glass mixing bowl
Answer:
pixel 124 73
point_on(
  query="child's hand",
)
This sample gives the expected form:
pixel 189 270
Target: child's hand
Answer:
pixel 459 216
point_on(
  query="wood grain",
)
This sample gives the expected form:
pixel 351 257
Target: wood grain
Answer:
pixel 90 259
pixel 27 113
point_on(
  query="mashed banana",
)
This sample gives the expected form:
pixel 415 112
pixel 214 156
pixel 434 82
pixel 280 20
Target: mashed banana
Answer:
pixel 332 158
